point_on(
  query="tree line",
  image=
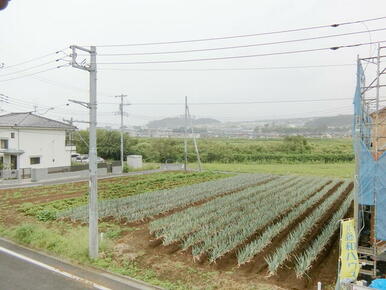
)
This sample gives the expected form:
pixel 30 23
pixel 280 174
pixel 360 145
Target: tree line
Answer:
pixel 291 149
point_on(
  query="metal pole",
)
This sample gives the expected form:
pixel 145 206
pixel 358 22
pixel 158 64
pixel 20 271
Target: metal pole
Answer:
pixel 195 142
pixel 377 101
pixel 356 185
pixel 121 111
pixel 374 218
pixel 185 136
pixel 93 185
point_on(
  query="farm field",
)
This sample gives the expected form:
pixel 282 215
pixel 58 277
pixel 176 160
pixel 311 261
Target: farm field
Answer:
pixel 337 170
pixel 196 230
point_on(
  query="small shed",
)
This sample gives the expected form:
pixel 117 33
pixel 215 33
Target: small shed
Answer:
pixel 134 161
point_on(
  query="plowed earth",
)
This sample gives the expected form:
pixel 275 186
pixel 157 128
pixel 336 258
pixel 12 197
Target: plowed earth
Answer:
pixel 172 264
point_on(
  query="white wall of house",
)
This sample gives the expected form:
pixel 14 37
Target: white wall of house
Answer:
pixel 48 144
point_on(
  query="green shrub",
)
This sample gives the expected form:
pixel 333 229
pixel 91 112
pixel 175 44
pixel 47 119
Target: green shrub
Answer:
pixel 46 215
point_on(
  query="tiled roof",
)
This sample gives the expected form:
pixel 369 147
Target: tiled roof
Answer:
pixel 32 121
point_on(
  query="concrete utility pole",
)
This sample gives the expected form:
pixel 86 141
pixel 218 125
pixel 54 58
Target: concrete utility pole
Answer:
pixel 185 136
pixel 92 156
pixel 121 112
pixel 195 142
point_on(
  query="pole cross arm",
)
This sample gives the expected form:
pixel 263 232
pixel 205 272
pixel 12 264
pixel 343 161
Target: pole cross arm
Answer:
pixel 74 55
pixel 81 121
pixel 84 104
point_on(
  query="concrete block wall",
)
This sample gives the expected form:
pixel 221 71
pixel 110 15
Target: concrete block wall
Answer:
pixel 40 174
pixel 116 170
pixel 100 171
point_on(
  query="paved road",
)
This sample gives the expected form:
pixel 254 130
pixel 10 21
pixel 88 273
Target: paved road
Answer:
pixel 18 274
pixel 24 269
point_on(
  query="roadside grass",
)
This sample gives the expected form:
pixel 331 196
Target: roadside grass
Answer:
pixel 335 170
pixel 71 242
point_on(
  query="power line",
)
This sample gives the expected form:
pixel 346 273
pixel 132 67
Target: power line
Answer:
pixel 59 84
pixel 239 103
pixel 246 35
pixel 32 67
pixel 33 59
pixel 241 46
pixel 238 69
pixel 32 74
pixel 21 103
pixel 241 56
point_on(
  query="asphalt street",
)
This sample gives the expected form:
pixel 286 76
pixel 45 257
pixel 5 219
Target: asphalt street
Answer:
pixel 20 275
pixel 25 269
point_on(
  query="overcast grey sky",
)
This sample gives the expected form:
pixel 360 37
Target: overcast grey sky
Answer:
pixel 29 29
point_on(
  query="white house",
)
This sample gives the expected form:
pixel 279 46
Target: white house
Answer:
pixel 31 141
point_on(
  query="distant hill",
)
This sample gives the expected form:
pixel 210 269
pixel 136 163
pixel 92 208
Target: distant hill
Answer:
pixel 177 122
pixel 329 122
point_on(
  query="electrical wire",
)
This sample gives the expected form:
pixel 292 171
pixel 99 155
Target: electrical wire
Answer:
pixel 32 74
pixel 245 35
pixel 241 46
pixel 236 69
pixel 32 67
pixel 21 103
pixel 59 84
pixel 34 59
pixel 237 103
pixel 240 56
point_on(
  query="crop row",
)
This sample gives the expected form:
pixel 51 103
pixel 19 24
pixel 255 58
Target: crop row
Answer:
pixel 149 204
pixel 305 260
pixel 194 217
pixel 226 215
pixel 225 222
pixel 263 240
pixel 261 216
pixel 284 252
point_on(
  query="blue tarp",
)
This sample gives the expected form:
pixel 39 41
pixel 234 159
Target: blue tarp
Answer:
pixel 371 173
pixel 378 284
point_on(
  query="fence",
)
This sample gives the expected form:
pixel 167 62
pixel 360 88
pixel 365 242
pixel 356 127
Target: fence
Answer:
pixel 77 171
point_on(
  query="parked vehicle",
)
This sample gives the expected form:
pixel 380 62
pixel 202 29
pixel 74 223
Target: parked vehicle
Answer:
pixel 74 157
pixel 84 159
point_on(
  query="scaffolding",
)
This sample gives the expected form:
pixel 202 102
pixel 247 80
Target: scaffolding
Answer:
pixel 369 134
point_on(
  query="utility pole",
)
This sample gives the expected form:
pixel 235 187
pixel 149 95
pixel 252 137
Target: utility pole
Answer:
pixel 195 142
pixel 185 136
pixel 121 112
pixel 92 156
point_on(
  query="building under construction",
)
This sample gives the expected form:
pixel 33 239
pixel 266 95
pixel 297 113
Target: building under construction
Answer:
pixel 370 145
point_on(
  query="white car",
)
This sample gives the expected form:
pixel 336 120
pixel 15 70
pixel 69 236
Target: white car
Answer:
pixel 84 159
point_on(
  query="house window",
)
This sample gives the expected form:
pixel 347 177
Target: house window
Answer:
pixel 35 160
pixel 4 144
pixel 12 135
